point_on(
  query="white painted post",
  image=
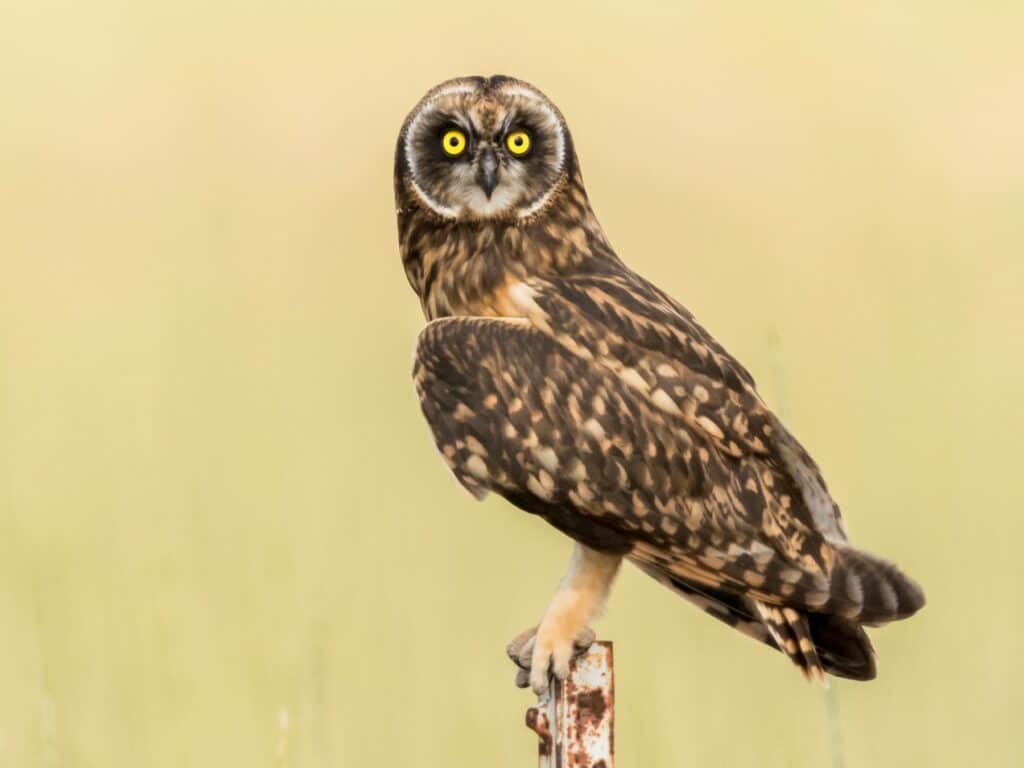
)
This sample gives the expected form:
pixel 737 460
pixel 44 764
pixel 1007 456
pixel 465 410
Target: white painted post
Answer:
pixel 576 721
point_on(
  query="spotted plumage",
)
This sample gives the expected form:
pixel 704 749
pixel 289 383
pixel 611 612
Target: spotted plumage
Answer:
pixel 554 376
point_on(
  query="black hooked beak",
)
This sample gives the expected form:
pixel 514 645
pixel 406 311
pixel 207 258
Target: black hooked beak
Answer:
pixel 487 174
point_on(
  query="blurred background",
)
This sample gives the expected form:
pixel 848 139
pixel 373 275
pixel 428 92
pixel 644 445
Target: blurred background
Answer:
pixel 225 537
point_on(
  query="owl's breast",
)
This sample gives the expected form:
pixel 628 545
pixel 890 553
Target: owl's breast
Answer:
pixel 463 281
pixel 466 269
pixel 455 299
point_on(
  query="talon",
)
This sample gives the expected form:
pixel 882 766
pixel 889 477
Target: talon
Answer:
pixel 520 651
pixel 520 648
pixel 552 656
pixel 522 678
pixel 564 632
pixel 540 666
pixel 525 659
pixel 541 652
pixel 560 661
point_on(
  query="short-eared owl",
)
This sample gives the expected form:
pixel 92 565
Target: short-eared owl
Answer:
pixel 553 375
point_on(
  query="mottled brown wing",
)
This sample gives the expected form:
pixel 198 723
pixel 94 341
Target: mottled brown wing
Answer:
pixel 625 325
pixel 610 412
pixel 621 323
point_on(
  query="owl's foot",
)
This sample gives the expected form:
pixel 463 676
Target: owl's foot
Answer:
pixel 542 651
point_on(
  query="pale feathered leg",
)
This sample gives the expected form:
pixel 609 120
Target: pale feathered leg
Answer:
pixel 563 631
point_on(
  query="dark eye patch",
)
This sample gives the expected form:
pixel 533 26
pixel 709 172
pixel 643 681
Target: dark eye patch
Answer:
pixel 428 148
pixel 435 145
pixel 539 140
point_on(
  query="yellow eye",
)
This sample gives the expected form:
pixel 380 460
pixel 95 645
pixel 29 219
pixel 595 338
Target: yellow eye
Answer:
pixel 518 142
pixel 454 143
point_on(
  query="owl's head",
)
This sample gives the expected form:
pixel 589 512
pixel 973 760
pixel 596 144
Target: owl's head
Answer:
pixel 478 148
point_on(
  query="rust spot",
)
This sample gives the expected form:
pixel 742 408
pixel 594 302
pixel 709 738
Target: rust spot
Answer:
pixel 531 718
pixel 591 707
pixel 575 723
pixel 537 721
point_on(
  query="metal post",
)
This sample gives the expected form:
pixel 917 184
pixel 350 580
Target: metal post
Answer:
pixel 576 721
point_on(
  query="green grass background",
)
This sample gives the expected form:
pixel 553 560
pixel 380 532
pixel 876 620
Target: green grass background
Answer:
pixel 225 538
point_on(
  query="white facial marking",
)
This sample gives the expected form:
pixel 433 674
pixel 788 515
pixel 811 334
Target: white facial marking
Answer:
pixel 555 125
pixel 443 210
pixel 428 107
pixel 472 198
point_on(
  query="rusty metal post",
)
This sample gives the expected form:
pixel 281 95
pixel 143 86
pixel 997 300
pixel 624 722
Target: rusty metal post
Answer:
pixel 576 721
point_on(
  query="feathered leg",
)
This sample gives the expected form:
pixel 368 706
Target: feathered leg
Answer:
pixel 564 630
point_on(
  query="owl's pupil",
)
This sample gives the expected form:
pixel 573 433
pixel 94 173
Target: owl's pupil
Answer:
pixel 518 141
pixel 454 141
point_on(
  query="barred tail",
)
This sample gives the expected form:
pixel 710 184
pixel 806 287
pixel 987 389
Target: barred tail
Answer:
pixel 869 590
pixel 792 635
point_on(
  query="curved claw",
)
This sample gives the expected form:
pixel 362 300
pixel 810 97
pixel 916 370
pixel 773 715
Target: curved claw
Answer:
pixel 516 646
pixel 551 657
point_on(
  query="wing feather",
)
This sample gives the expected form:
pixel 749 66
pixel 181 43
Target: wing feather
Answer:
pixel 609 411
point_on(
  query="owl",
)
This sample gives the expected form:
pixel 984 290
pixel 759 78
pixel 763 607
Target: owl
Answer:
pixel 556 377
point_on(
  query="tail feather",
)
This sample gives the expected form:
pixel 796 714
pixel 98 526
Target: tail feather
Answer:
pixel 843 646
pixel 830 637
pixel 869 590
pixel 792 636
